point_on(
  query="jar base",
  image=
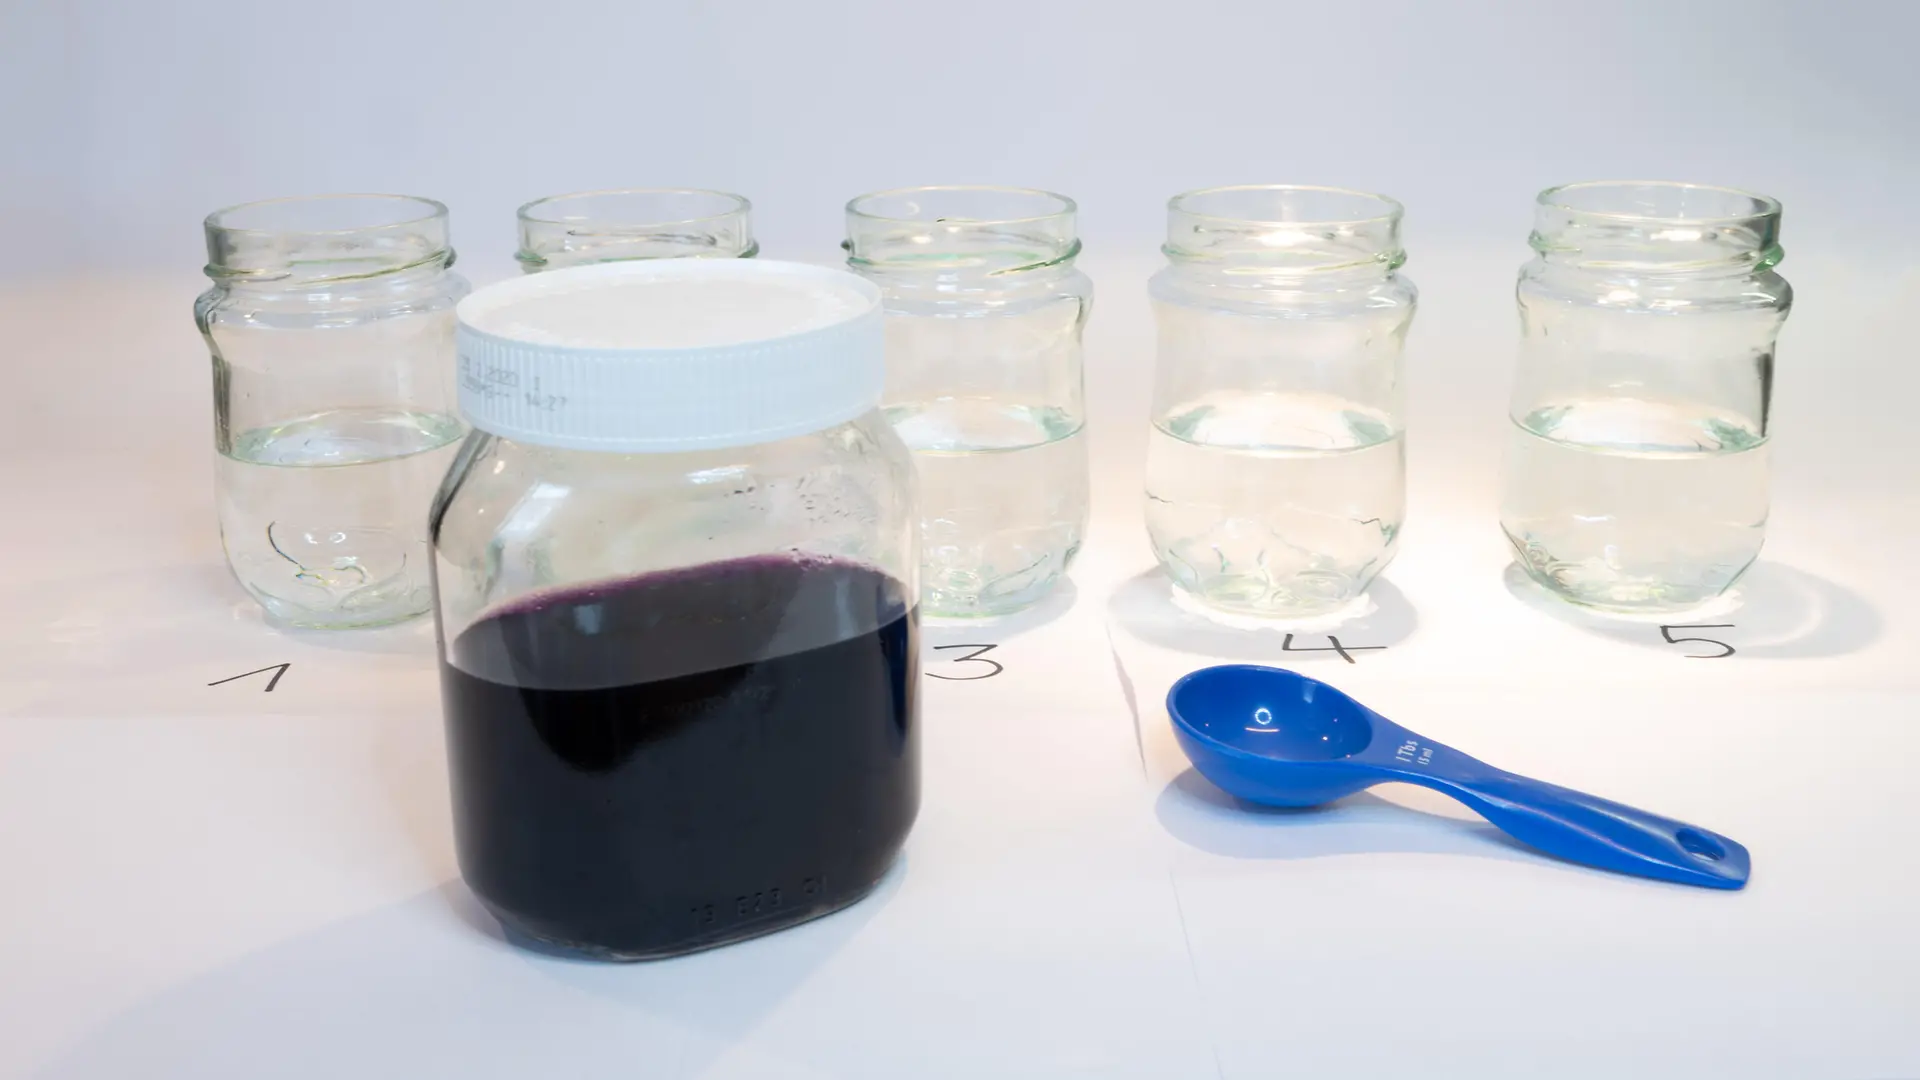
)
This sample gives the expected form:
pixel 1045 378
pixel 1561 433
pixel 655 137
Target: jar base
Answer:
pixel 292 616
pixel 1602 586
pixel 1296 617
pixel 1629 606
pixel 949 594
pixel 520 934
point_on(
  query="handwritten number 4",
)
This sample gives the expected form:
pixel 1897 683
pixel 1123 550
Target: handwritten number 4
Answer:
pixel 977 656
pixel 1667 633
pixel 1333 646
pixel 277 669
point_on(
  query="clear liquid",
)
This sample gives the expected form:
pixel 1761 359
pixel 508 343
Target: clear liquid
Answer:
pixel 1003 502
pixel 1635 505
pixel 324 518
pixel 1277 505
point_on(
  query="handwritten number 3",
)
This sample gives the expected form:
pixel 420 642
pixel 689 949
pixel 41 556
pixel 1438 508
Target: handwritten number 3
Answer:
pixel 977 656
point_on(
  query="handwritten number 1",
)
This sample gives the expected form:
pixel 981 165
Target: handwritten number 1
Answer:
pixel 277 669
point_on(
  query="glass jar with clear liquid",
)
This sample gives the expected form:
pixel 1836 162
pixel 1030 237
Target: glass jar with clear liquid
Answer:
pixel 985 311
pixel 1636 476
pixel 1276 469
pixel 634 223
pixel 331 327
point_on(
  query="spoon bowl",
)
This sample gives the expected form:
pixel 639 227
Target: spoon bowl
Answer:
pixel 1241 725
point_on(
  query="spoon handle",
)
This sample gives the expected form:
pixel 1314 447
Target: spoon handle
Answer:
pixel 1587 829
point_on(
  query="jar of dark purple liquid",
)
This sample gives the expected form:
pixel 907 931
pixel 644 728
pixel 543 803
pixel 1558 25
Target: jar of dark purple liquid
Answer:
pixel 674 582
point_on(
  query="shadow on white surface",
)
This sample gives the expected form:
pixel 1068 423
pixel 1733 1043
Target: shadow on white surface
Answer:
pixel 165 612
pixel 428 987
pixel 126 603
pixel 171 640
pixel 52 616
pixel 1046 977
pixel 1775 612
pixel 1203 817
pixel 1144 607
pixel 940 630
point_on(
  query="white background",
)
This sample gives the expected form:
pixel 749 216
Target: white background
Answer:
pixel 218 882
pixel 122 124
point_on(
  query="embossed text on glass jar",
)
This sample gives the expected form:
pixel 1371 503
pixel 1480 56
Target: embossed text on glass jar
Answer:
pixel 985 311
pixel 330 322
pixel 1637 475
pixel 634 223
pixel 1276 471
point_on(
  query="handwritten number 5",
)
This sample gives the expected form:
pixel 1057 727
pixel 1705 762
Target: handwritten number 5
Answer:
pixel 1667 633
pixel 977 656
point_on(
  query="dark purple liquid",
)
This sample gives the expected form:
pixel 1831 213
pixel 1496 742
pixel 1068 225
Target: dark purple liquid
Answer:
pixel 653 766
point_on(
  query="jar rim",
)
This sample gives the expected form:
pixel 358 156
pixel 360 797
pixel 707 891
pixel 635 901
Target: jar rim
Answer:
pixel 733 204
pixel 1285 230
pixel 1062 205
pixel 1391 210
pixel 314 239
pixel 221 220
pixel 1564 198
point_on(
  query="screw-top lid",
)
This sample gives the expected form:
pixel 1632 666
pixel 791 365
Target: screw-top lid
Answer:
pixel 670 355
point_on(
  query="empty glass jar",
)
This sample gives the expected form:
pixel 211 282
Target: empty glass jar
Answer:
pixel 1637 469
pixel 985 310
pixel 634 223
pixel 1276 472
pixel 330 321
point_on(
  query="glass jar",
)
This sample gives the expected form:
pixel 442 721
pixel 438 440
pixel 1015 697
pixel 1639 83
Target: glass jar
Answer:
pixel 330 321
pixel 1636 474
pixel 985 310
pixel 674 568
pixel 1276 469
pixel 634 223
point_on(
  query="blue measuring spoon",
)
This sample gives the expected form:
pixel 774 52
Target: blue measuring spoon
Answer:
pixel 1282 739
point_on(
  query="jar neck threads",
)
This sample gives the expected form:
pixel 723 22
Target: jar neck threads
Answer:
pixel 327 239
pixel 1657 227
pixel 1285 230
pixel 961 231
pixel 634 223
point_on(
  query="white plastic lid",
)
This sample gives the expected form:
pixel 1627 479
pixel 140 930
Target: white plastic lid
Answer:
pixel 670 354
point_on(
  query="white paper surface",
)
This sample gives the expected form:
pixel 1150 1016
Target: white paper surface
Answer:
pixel 218 881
